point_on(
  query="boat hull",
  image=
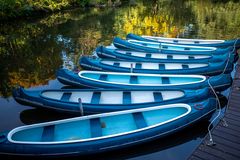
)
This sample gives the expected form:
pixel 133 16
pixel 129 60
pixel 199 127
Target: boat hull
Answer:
pixel 175 41
pixel 36 99
pixel 124 44
pixel 104 52
pixel 209 69
pixel 111 143
pixel 219 83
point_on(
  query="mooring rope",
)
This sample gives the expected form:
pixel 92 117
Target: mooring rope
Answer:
pixel 131 68
pixel 234 47
pixel 80 106
pixel 218 105
pixel 211 142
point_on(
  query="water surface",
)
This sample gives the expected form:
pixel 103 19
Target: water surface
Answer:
pixel 33 49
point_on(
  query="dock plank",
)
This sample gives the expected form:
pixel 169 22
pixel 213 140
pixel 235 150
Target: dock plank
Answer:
pixel 196 158
pixel 206 156
pixel 233 122
pixel 228 130
pixel 227 138
pixel 227 143
pixel 232 116
pixel 218 151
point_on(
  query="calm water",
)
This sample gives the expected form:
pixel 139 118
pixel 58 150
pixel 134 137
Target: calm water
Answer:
pixel 32 50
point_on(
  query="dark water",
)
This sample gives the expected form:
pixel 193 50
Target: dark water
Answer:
pixel 33 49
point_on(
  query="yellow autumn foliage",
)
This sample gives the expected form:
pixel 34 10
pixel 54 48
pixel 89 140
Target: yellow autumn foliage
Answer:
pixel 134 20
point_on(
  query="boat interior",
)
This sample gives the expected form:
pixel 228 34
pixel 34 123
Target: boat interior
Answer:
pixel 170 46
pixel 162 56
pixel 155 66
pixel 141 79
pixel 102 126
pixel 113 97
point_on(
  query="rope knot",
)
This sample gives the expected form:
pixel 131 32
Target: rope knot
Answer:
pixel 198 106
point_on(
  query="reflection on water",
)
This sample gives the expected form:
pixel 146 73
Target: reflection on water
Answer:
pixel 31 116
pixel 32 50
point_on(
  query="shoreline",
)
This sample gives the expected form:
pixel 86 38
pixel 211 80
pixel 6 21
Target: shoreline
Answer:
pixel 15 14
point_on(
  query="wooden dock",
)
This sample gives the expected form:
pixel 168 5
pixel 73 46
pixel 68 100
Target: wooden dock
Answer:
pixel 227 138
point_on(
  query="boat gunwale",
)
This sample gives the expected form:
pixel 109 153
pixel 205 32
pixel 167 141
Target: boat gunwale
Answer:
pixel 207 64
pixel 142 74
pixel 118 51
pixel 207 49
pixel 140 140
pixel 166 39
pixel 120 90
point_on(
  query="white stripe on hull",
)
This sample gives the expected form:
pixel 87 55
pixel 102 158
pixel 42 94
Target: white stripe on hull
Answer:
pixel 152 80
pixel 176 47
pixel 155 66
pixel 76 130
pixel 183 40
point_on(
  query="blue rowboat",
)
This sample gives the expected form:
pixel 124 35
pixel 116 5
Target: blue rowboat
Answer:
pixel 96 79
pixel 156 47
pixel 104 52
pixel 183 41
pixel 103 132
pixel 209 69
pixel 105 100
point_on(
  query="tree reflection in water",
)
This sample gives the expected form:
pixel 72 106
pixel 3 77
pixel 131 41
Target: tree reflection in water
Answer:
pixel 31 50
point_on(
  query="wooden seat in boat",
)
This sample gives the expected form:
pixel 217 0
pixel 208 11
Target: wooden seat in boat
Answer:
pixel 139 120
pixel 133 79
pixel 127 98
pixel 96 127
pixel 138 66
pixel 185 66
pixel 103 77
pixel 148 55
pixel 66 96
pixel 169 57
pixel 191 57
pixel 48 133
pixel 96 97
pixel 161 66
pixel 165 47
pixel 165 80
pixel 157 96
pixel 117 64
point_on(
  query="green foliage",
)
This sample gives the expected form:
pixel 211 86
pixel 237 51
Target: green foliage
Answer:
pixel 16 8
pixel 50 5
pixel 82 2
pixel 30 51
pixel 9 8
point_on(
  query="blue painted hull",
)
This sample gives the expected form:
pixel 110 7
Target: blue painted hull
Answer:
pixel 210 70
pixel 123 44
pixel 103 52
pixel 35 99
pixel 108 144
pixel 219 83
pixel 221 45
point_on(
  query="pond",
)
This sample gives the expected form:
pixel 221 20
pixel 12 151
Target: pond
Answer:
pixel 32 50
